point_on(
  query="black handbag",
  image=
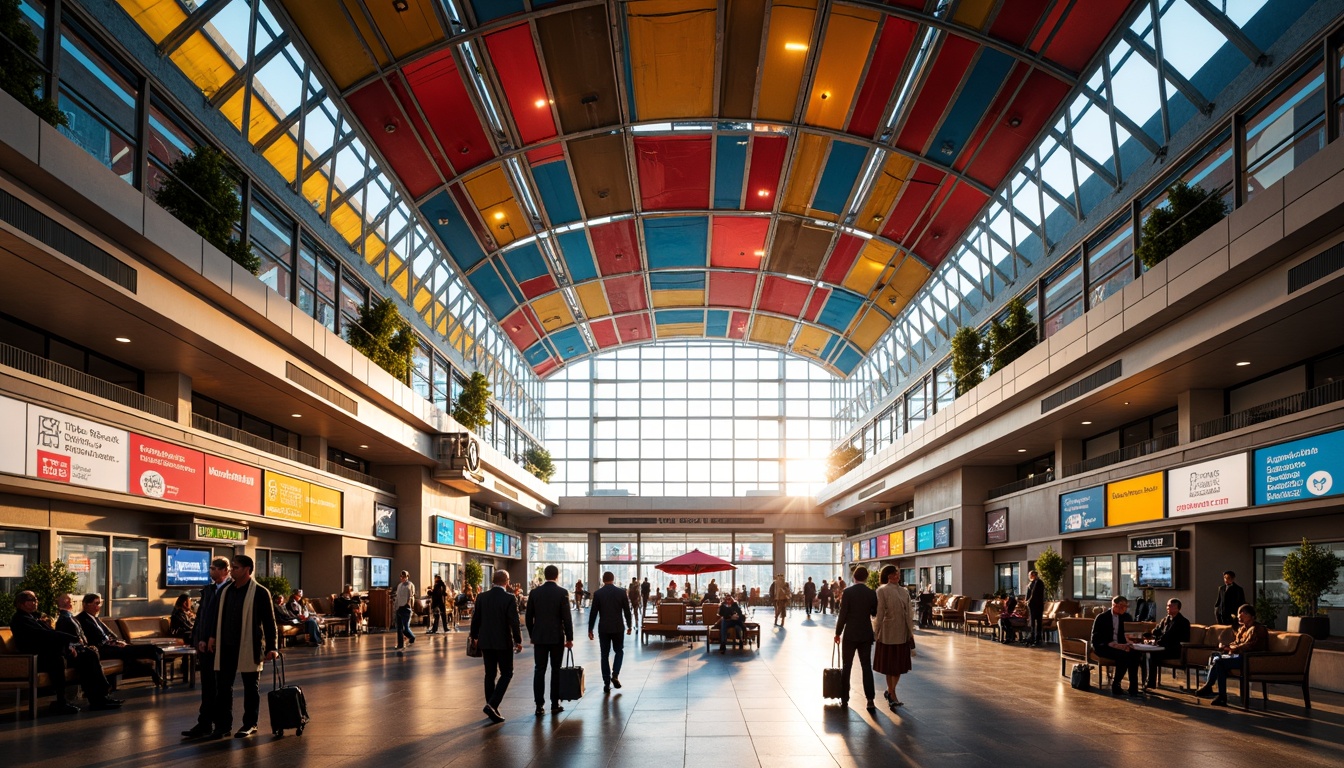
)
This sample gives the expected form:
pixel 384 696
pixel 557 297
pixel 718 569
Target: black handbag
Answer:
pixel 473 648
pixel 1081 677
pixel 569 681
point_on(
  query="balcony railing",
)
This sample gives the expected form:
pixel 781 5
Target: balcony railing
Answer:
pixel 1162 443
pixel 13 357
pixel 1022 485
pixel 360 477
pixel 491 517
pixel 1274 409
pixel 235 435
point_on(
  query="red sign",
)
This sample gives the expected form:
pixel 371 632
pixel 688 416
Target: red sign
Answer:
pixel 53 466
pixel 232 486
pixel 165 471
pixel 883 546
pixel 460 535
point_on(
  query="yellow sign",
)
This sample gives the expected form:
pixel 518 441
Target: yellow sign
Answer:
pixel 326 506
pixel 856 552
pixel 286 497
pixel 897 543
pixel 473 540
pixel 1135 499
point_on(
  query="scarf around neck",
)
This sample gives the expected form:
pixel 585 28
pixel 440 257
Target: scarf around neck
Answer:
pixel 247 652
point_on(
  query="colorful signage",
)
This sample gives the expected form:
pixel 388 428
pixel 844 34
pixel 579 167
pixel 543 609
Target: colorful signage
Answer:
pixel 460 534
pixel 500 546
pixel 1136 499
pixel 897 543
pixel 68 449
pixel 911 546
pixel 924 537
pixel 1303 469
pixel 165 471
pixel 884 546
pixel 289 498
pixel 443 531
pixel 324 506
pixel 942 534
pixel 864 551
pixel 996 526
pixel 854 554
pixel 384 521
pixel 1082 510
pixel 1209 486
pixel 14 414
pixel 225 534
pixel 232 486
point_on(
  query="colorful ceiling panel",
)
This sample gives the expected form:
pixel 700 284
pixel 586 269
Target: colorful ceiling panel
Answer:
pixel 783 173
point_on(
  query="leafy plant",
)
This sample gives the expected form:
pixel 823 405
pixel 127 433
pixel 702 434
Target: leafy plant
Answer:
pixel 276 585
pixel 473 405
pixel 538 462
pixel 1189 211
pixel 1050 568
pixel 20 73
pixel 472 573
pixel 49 581
pixel 874 579
pixel 201 193
pixel 841 460
pixel 6 608
pixel 384 336
pixel 968 360
pixel 1310 571
pixel 1010 339
pixel 1267 609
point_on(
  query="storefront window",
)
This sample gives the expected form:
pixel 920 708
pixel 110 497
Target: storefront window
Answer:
pixel 942 579
pixel 288 565
pixel 130 568
pixel 568 552
pixel 817 557
pixel 86 557
pixel 1092 578
pixel 359 574
pixel 1269 583
pixel 1007 578
pixel 18 550
pixel 1127 578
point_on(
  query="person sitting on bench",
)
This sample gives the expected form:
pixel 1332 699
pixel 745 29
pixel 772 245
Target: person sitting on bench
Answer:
pixel 731 616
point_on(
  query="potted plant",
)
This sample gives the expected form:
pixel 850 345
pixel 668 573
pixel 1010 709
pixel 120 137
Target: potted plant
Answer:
pixel 1310 571
pixel 472 574
pixel 1011 338
pixel 384 336
pixel 472 407
pixel 1189 210
pixel 841 460
pixel 276 585
pixel 200 192
pixel 49 581
pixel 1050 567
pixel 538 462
pixel 968 362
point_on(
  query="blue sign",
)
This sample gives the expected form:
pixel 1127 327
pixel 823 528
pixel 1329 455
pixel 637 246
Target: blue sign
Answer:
pixel 1082 510
pixel 443 531
pixel 942 534
pixel 499 543
pixel 924 537
pixel 1302 469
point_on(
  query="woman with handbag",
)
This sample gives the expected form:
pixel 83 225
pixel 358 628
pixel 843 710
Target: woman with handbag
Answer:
pixel 894 632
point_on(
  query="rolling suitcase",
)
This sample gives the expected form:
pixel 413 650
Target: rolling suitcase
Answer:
pixel 569 682
pixel 285 702
pixel 833 679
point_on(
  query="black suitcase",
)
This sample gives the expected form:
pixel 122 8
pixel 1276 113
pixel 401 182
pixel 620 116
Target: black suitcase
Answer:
pixel 1081 677
pixel 569 682
pixel 833 679
pixel 285 702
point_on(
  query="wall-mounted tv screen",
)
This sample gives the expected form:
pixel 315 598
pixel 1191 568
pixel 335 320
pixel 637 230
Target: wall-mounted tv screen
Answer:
pixel 186 567
pixel 1156 570
pixel 381 572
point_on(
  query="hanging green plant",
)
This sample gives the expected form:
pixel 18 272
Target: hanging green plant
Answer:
pixel 968 362
pixel 472 408
pixel 384 336
pixel 200 192
pixel 1010 339
pixel 1190 210
pixel 841 460
pixel 538 462
pixel 20 73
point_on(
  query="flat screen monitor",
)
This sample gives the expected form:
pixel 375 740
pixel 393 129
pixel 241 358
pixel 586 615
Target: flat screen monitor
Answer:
pixel 380 572
pixel 186 567
pixel 1156 570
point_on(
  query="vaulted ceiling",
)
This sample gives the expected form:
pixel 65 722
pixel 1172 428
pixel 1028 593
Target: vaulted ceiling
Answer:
pixel 784 173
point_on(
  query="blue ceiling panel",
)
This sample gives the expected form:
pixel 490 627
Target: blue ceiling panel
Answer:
pixel 525 262
pixel 840 309
pixel 842 172
pixel 537 354
pixel 716 322
pixel 849 359
pixel 493 291
pixel 578 255
pixel 569 343
pixel 557 192
pixel 730 158
pixel 443 216
pixel 676 281
pixel 489 10
pixel 676 316
pixel 977 91
pixel 678 241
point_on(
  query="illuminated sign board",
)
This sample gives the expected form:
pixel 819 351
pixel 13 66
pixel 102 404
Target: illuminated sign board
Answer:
pixel 1136 499
pixel 1082 510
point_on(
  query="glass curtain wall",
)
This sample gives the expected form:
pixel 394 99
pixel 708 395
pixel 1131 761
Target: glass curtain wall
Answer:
pixel 566 551
pixel 86 557
pixel 817 557
pixel 620 555
pixel 1269 583
pixel 18 550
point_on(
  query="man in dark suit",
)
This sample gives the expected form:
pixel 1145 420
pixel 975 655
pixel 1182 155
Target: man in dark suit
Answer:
pixel 809 595
pixel 612 605
pixel 853 621
pixel 1230 597
pixel 1035 606
pixel 494 626
pixel 644 594
pixel 112 647
pixel 241 634
pixel 1169 633
pixel 205 661
pixel 1109 642
pixel 57 650
pixel 552 631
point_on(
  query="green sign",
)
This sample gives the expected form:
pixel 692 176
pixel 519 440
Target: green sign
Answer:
pixel 208 532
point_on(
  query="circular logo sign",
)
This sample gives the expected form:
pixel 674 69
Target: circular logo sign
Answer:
pixel 152 484
pixel 473 454
pixel 1319 483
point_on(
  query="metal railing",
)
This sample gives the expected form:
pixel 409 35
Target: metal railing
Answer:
pixel 491 517
pixel 236 435
pixel 1022 485
pixel 360 477
pixel 1274 409
pixel 1162 443
pixel 13 357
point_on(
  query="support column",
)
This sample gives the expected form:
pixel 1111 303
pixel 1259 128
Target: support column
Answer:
pixel 594 578
pixel 1194 407
pixel 315 445
pixel 1067 451
pixel 172 388
pixel 781 563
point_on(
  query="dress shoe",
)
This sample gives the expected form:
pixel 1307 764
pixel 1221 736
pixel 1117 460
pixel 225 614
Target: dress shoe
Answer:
pixel 493 714
pixel 103 704
pixel 615 682
pixel 1134 691
pixel 1204 690
pixel 556 708
pixel 245 731
pixel 63 708
pixel 411 639
pixel 886 695
pixel 199 732
pixel 1115 690
pixel 844 702
pixel 721 650
pixel 1218 701
pixel 432 632
pixel 606 688
pixel 541 710
pixel 871 706
pixel 224 734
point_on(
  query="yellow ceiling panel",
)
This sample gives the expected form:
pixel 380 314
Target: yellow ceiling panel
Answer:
pixel 315 191
pixel 672 57
pixel 771 330
pixel 201 61
pixel 668 330
pixel 902 285
pixel 869 266
pixel 260 120
pixel 810 341
pixel 347 221
pixel 886 187
pixel 338 46
pixel 973 13
pixel 405 31
pixel 233 109
pixel 593 299
pixel 493 197
pixel 809 157
pixel 868 330
pixel 156 17
pixel 678 298
pixel 785 57
pixel 442 327
pixel 422 299
pixel 849 35
pixel 552 312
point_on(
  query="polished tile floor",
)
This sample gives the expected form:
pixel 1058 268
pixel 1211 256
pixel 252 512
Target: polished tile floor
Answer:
pixel 968 702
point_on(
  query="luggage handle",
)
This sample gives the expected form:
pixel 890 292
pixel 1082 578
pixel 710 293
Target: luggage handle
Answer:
pixel 278 672
pixel 569 657
pixel 835 655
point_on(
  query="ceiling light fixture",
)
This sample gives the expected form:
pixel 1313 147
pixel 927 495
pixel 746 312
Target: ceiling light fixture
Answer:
pixel 499 215
pixel 1241 364
pixel 401 6
pixel 795 46
pixel 540 103
pixel 297 415
pixel 762 193
pixel 1015 122
pixel 1085 423
pixel 123 340
pixel 390 128
pixel 363 446
pixel 1021 450
pixel 825 95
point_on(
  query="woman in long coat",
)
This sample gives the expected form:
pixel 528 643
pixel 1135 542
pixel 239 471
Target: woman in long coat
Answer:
pixel 894 630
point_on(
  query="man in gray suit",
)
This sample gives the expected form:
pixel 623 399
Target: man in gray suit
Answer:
pixel 854 622
pixel 552 631
pixel 612 604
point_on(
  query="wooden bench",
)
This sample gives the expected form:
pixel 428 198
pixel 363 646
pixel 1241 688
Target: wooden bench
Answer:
pixel 153 630
pixel 670 616
pixel 19 671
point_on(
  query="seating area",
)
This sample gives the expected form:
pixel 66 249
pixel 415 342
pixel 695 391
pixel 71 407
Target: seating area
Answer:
pixel 19 671
pixel 671 616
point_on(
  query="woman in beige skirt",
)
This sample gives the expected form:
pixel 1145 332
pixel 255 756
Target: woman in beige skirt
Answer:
pixel 894 630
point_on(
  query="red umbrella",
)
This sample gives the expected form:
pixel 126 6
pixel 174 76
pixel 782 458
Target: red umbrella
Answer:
pixel 695 562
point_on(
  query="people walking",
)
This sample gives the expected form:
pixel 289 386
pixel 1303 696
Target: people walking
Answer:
pixel 780 594
pixel 809 596
pixel 438 605
pixel 242 637
pixel 551 630
pixel 610 614
pixel 632 592
pixel 644 590
pixel 854 633
pixel 403 601
pixel 894 632
pixel 494 628
pixel 824 597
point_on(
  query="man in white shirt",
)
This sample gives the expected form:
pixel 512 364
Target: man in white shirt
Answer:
pixel 403 601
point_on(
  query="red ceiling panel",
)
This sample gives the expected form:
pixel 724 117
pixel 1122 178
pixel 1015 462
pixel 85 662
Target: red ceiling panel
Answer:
pixel 473 219
pixel 841 259
pixel 545 154
pixel 421 128
pixel 1015 26
pixel 548 365
pixel 818 301
pixel 521 327
pixel 911 203
pixel 604 333
pixel 616 247
pixel 674 171
pixel 959 210
pixel 737 325
pixel 732 289
pixel 738 242
pixel 626 294
pixel 538 286
pixel 767 161
pixel 1083 31
pixel 515 59
pixel 950 66
pixel 1034 105
pixel 883 71
pixel 443 97
pixel 784 296
pixel 634 328
pixel 375 107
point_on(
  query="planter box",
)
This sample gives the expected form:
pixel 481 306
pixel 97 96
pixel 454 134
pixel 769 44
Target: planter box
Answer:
pixel 1316 626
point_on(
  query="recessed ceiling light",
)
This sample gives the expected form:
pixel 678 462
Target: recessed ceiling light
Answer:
pixel 1021 450
pixel 763 193
pixel 795 46
pixel 1086 423
pixel 1241 364
pixel 363 446
pixel 499 215
pixel 297 415
pixel 540 103
pixel 123 340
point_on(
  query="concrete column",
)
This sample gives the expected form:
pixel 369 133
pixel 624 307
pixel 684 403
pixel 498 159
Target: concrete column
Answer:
pixel 1196 406
pixel 317 446
pixel 173 388
pixel 781 563
pixel 594 578
pixel 1067 451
